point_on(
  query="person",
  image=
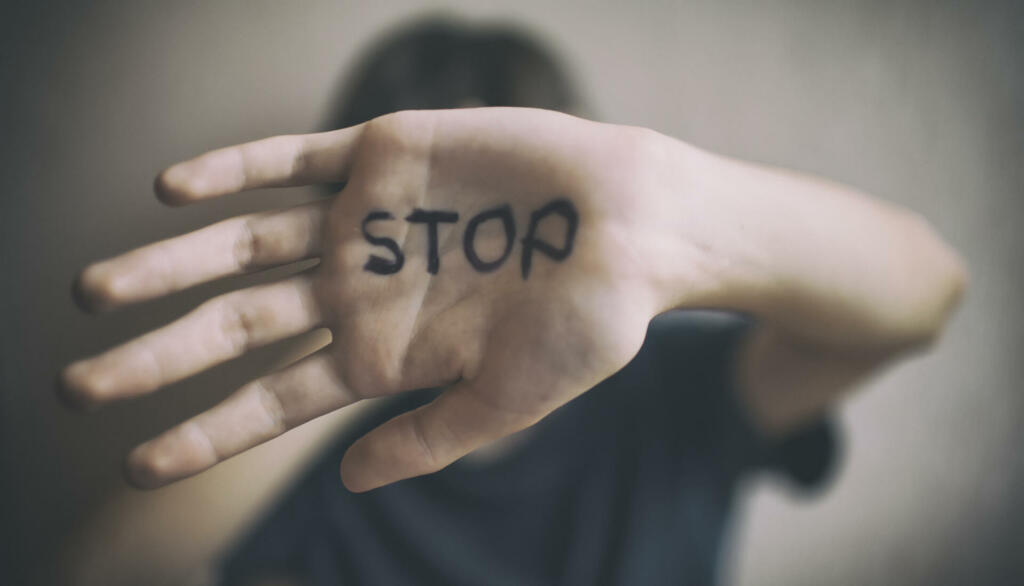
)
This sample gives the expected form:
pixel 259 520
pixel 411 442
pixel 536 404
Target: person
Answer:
pixel 587 333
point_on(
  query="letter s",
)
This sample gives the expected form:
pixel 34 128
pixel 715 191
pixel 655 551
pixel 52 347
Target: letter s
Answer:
pixel 378 264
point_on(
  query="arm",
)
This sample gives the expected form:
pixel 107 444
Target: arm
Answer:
pixel 838 282
pixel 513 256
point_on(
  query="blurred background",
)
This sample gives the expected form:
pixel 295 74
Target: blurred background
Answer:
pixel 921 103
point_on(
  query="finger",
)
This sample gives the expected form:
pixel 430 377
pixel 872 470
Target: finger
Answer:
pixel 220 329
pixel 259 411
pixel 231 247
pixel 427 439
pixel 272 162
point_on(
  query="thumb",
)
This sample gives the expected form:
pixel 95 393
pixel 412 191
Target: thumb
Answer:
pixel 429 438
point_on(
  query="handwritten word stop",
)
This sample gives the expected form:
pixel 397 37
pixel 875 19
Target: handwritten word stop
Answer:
pixel 431 219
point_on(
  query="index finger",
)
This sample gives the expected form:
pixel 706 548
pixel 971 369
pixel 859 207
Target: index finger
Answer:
pixel 279 161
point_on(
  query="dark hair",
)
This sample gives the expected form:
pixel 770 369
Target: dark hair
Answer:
pixel 439 63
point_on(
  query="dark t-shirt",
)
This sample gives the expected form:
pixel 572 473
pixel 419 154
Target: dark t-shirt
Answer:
pixel 630 483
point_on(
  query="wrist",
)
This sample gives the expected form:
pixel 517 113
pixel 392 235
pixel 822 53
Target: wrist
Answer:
pixel 695 234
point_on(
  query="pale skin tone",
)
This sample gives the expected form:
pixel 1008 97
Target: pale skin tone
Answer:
pixel 839 284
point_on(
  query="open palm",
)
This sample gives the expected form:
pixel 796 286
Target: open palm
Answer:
pixel 494 252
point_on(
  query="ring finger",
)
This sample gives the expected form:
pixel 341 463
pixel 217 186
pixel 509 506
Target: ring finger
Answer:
pixel 220 329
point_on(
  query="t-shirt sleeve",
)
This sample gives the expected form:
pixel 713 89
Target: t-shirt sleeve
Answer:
pixel 695 355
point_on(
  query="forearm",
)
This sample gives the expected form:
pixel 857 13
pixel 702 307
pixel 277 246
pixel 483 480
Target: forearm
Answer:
pixel 838 283
pixel 824 264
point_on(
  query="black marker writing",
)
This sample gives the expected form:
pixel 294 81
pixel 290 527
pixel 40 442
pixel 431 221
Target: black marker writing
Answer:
pixel 562 207
pixel 377 264
pixel 432 219
pixel 504 213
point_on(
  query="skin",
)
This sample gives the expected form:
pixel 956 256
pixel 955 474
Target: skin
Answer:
pixel 839 284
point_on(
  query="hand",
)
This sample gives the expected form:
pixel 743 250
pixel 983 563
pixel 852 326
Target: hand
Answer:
pixel 501 253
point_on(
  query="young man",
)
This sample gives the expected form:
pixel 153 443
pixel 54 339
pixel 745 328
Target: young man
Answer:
pixel 538 274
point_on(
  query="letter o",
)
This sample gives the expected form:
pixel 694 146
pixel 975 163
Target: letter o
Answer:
pixel 504 213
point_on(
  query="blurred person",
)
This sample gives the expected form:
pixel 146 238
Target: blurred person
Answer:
pixel 609 328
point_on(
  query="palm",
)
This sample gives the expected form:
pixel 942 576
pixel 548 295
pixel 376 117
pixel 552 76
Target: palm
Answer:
pixel 471 250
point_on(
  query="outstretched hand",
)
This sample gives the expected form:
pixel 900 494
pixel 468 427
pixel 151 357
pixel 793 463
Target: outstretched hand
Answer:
pixel 503 254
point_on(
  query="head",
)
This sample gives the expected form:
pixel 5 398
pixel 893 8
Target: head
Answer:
pixel 439 63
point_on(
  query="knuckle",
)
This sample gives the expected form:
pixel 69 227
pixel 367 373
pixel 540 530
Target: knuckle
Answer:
pixel 261 242
pixel 289 149
pixel 272 404
pixel 246 248
pixel 428 455
pixel 236 324
pixel 301 157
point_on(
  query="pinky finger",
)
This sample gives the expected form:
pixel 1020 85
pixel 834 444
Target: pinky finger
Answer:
pixel 259 411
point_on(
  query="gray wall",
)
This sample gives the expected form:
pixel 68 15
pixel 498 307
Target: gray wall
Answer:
pixel 919 103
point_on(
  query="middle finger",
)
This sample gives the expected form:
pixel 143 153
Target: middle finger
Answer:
pixel 231 247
